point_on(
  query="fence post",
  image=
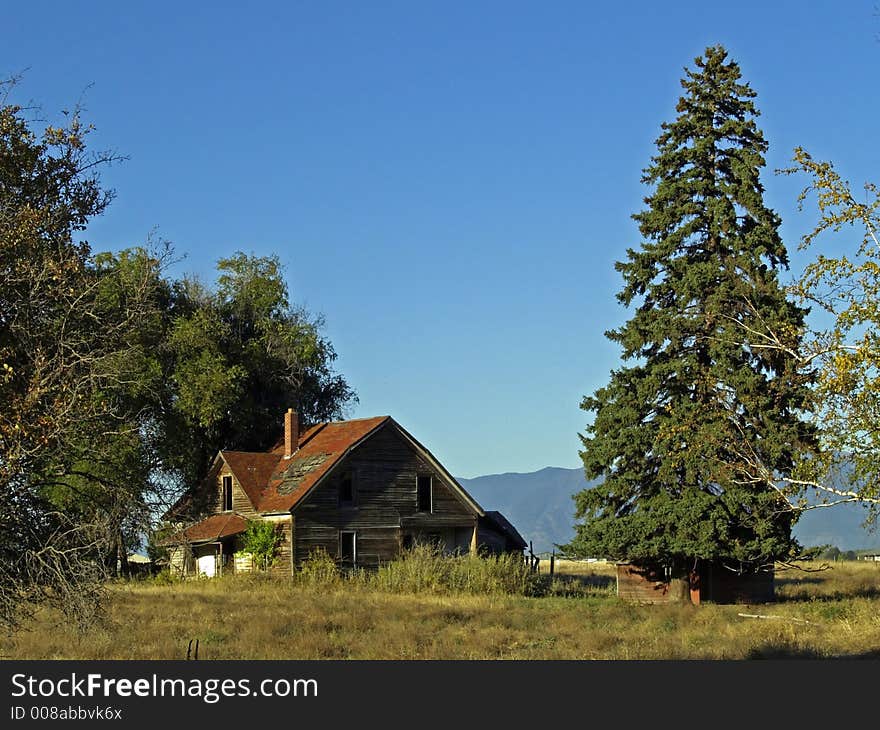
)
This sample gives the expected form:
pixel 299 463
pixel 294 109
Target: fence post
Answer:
pixel 552 561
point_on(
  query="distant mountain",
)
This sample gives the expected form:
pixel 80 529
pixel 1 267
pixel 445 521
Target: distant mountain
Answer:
pixel 540 506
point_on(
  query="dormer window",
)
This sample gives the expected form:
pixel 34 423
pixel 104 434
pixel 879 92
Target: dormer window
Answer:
pixel 227 493
pixel 346 489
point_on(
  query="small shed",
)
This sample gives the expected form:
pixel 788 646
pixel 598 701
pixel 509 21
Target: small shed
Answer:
pixel 710 583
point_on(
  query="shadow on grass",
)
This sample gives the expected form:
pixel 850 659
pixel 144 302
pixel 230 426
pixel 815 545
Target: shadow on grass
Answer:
pixel 798 581
pixel 561 584
pixel 800 596
pixel 773 651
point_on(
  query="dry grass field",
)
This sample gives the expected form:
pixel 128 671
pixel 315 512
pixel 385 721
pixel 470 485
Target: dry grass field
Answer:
pixel 825 614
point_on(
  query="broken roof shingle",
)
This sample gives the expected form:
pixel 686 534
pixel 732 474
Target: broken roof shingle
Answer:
pixel 320 448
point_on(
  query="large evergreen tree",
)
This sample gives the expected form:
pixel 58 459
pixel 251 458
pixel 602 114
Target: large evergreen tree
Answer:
pixel 704 397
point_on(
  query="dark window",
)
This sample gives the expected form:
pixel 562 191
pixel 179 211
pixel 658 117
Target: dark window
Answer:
pixel 423 487
pixel 227 493
pixel 346 489
pixel 348 548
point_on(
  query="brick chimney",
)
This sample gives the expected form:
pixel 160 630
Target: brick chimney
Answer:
pixel 291 433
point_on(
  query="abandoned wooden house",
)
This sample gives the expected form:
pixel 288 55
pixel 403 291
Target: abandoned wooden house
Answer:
pixel 363 490
pixel 711 582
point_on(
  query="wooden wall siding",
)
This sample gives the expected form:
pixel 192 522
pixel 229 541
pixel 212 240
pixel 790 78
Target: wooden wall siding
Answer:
pixel 238 561
pixel 208 497
pixel 718 585
pixel 283 564
pixel 180 560
pixel 444 537
pixel 310 536
pixel 376 546
pixel 714 584
pixel 637 586
pixel 385 468
pixel 242 563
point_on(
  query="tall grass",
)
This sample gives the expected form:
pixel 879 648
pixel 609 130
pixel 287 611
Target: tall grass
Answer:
pixel 427 569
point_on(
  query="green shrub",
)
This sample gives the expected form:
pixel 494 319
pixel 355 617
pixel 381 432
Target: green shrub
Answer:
pixel 261 539
pixel 163 578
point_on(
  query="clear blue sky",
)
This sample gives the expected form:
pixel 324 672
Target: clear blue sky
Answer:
pixel 448 183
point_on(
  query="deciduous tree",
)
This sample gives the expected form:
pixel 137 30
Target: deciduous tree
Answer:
pixel 238 355
pixel 843 346
pixel 69 354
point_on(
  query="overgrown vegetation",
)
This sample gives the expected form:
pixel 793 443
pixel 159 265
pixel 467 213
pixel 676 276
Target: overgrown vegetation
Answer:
pixel 425 569
pixel 119 384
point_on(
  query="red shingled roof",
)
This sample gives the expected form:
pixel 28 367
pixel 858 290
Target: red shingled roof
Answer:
pixel 213 528
pixel 275 484
pixel 262 474
pixel 320 447
pixel 253 470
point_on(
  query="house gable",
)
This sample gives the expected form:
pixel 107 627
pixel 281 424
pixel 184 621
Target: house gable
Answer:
pixel 382 471
pixel 241 503
pixel 320 449
pixel 250 473
pixel 385 448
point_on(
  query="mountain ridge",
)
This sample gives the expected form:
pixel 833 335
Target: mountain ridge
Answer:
pixel 540 506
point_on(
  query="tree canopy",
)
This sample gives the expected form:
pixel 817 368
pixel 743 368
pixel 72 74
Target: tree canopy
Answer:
pixel 238 354
pixel 118 383
pixel 675 430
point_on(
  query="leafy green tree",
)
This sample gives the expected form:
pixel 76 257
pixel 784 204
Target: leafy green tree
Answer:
pixel 829 552
pixel 843 346
pixel 117 384
pixel 675 432
pixel 237 356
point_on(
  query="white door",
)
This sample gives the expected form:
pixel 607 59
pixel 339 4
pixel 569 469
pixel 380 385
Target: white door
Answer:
pixel 207 565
